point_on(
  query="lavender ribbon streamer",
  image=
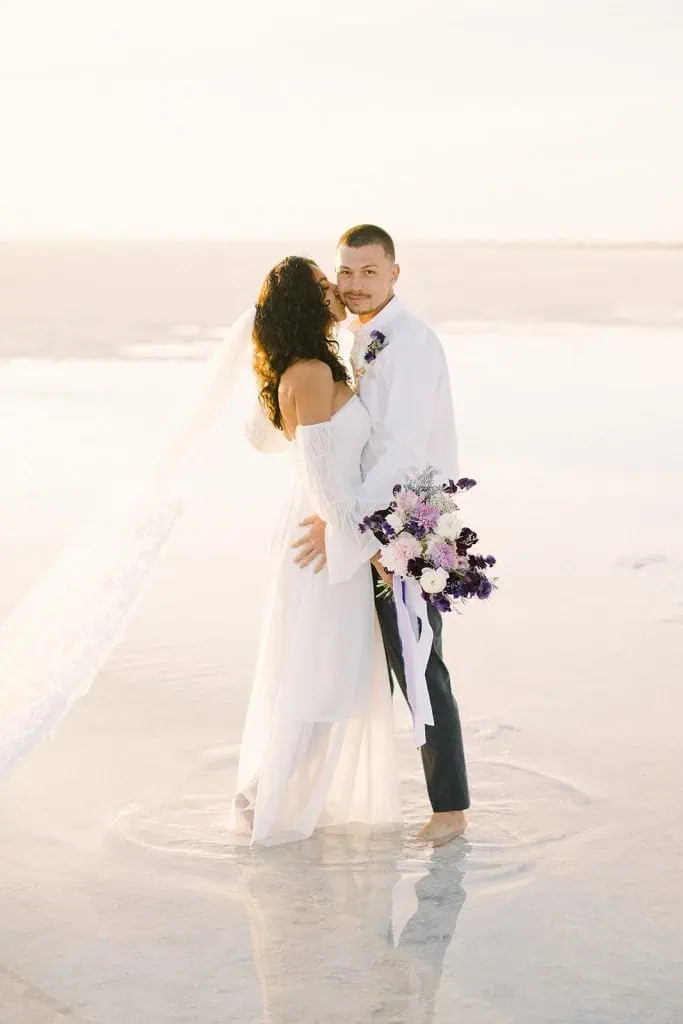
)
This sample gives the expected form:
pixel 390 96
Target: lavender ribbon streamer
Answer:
pixel 416 641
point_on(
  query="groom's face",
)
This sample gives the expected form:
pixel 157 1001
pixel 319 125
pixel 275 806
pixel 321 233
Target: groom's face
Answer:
pixel 365 278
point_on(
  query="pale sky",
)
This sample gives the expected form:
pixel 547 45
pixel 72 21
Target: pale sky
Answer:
pixel 460 119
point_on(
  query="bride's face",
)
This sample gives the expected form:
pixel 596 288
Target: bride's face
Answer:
pixel 332 300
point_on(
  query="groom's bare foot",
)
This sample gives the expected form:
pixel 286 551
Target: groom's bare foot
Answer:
pixel 443 827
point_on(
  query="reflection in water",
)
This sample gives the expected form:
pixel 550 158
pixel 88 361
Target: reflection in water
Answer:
pixel 21 1002
pixel 321 925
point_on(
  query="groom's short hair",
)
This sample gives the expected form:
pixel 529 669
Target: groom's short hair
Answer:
pixel 369 234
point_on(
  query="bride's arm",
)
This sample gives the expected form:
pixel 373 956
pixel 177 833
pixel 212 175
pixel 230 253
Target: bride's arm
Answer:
pixel 309 392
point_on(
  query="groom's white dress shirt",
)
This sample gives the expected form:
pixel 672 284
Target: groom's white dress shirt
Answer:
pixel 407 391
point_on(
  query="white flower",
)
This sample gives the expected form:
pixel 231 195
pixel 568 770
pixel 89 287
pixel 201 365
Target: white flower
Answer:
pixel 395 522
pixel 433 581
pixel 449 526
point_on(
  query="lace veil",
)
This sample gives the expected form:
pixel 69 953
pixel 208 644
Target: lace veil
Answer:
pixel 54 643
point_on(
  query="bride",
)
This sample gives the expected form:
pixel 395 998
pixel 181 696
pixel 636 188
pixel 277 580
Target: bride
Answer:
pixel 317 749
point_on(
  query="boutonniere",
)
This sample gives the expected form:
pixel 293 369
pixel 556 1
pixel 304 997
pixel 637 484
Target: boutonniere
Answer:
pixel 377 342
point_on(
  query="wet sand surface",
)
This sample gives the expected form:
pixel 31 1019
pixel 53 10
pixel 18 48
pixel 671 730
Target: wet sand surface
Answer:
pixel 123 898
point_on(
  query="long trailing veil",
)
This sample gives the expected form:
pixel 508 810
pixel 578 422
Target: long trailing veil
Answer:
pixel 54 643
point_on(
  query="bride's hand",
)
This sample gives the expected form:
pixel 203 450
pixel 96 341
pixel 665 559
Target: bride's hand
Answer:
pixel 385 576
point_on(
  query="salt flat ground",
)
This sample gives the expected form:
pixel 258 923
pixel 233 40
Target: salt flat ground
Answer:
pixel 123 898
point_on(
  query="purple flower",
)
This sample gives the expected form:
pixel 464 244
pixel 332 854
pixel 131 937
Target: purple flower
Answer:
pixel 377 342
pixel 439 601
pixel 469 585
pixel 490 560
pixel 465 483
pixel 426 515
pixel 466 538
pixel 485 589
pixel 406 501
pixel 378 525
pixel 442 555
pixel 478 562
pixel 415 529
pixel 416 567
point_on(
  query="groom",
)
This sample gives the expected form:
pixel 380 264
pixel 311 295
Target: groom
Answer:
pixel 402 379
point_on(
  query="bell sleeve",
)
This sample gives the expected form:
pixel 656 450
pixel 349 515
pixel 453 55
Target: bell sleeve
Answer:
pixel 261 434
pixel 334 500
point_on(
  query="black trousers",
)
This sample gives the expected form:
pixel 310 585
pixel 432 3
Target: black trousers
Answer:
pixel 443 756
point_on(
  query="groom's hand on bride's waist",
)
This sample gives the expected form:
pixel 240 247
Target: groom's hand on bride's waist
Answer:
pixel 311 546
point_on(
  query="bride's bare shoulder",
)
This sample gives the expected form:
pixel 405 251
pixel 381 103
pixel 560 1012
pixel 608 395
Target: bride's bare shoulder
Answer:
pixel 307 373
pixel 307 386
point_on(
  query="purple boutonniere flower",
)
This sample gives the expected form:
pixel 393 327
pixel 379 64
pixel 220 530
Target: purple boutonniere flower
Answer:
pixel 377 342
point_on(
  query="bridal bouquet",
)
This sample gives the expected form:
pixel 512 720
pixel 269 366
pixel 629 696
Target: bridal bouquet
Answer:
pixel 424 540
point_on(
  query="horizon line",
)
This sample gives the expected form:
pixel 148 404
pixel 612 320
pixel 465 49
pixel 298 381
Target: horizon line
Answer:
pixel 652 243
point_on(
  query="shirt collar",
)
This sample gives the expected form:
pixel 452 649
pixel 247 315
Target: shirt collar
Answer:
pixel 378 322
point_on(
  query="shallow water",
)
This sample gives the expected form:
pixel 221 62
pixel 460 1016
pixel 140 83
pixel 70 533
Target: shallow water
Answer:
pixel 123 897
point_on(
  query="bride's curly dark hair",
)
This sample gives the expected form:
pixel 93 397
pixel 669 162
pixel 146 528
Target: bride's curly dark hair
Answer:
pixel 292 322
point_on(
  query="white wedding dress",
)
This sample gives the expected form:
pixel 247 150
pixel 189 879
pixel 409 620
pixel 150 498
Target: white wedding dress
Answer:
pixel 318 743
